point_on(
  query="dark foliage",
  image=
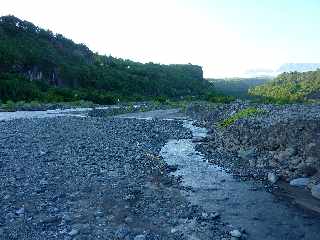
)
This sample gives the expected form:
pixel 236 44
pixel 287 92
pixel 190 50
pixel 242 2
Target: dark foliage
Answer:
pixel 36 64
pixel 237 87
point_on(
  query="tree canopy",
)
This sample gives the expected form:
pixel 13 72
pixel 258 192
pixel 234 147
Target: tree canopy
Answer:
pixel 40 62
pixel 292 86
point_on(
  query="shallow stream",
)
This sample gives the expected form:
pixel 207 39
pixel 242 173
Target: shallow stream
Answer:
pixel 243 205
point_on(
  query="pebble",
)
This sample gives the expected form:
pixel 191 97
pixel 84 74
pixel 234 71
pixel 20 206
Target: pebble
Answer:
pixel 215 215
pixel 300 182
pixel 209 216
pixel 235 233
pixel 20 211
pixel 6 197
pixel 174 230
pixel 67 218
pixel 42 153
pixel 272 178
pixel 205 215
pixel 128 220
pixel 49 219
pixel 82 228
pixel 99 213
pixel 247 154
pixel 122 232
pixel 43 182
pixel 140 237
pixel 73 232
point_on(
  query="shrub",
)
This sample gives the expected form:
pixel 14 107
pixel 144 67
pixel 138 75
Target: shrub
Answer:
pixel 61 95
pixel 16 88
pixel 218 98
pixel 83 104
pixel 20 104
pixel 99 97
pixel 9 106
pixel 245 113
pixel 160 99
pixel 34 104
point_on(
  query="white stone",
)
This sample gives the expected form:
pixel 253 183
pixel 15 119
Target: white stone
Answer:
pixel 140 237
pixel 73 232
pixel 273 178
pixel 236 233
pixel 205 215
pixel 20 211
pixel 300 182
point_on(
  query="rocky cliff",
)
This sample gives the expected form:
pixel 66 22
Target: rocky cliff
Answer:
pixel 40 55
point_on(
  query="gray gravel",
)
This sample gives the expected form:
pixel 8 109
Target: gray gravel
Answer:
pixel 284 139
pixel 93 178
pixel 103 178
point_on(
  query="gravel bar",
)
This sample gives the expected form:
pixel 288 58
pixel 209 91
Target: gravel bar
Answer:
pixel 94 178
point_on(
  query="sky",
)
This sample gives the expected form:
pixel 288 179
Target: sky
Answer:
pixel 225 37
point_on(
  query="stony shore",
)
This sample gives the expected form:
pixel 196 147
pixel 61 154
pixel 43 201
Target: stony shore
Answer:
pixel 93 178
pixel 280 144
pixel 101 177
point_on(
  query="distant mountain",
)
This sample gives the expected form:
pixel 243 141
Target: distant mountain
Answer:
pixel 298 67
pixel 287 67
pixel 259 72
pixel 237 87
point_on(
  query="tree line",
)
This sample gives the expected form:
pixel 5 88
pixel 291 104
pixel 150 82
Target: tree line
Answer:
pixel 290 87
pixel 36 64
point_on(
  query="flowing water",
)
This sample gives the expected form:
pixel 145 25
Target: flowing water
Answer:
pixel 240 204
pixel 243 205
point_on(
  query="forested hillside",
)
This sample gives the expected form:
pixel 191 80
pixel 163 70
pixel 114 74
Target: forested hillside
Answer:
pixel 237 87
pixel 288 87
pixel 36 64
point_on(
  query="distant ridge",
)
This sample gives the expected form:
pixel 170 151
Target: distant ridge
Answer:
pixel 259 72
pixel 298 67
pixel 287 67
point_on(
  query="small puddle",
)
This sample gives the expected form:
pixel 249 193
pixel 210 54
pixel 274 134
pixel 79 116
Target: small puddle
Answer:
pixel 241 204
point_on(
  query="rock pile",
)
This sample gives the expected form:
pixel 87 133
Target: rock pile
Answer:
pixel 284 140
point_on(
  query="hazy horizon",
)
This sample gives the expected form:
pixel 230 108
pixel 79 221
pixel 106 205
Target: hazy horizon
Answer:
pixel 227 38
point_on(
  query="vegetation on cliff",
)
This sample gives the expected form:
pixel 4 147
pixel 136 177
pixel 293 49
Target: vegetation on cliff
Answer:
pixel 244 113
pixel 237 87
pixel 290 87
pixel 36 64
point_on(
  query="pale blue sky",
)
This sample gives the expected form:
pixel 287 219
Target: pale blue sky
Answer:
pixel 226 37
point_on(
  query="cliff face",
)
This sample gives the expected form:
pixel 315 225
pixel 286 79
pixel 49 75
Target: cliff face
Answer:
pixel 36 53
pixel 40 55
